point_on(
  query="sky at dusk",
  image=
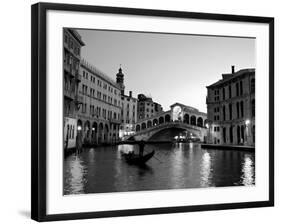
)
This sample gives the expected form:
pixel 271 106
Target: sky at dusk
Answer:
pixel 168 67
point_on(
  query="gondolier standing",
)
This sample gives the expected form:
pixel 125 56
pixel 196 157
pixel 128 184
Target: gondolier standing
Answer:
pixel 141 148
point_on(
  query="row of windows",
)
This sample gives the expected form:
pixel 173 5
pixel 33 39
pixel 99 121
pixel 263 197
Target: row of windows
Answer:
pixel 239 90
pixel 99 82
pixel 216 117
pixel 238 132
pixel 147 110
pixel 100 96
pixel 142 116
pixel 217 109
pixel 71 44
pixel 147 104
pixel 216 129
pixel 70 61
pixel 128 99
pixel 98 111
pixel 239 110
pixel 70 131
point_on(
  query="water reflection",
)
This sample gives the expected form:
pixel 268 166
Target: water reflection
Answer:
pixel 75 172
pixel 174 166
pixel 248 170
pixel 206 170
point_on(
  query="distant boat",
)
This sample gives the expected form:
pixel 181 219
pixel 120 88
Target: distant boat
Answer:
pixel 136 159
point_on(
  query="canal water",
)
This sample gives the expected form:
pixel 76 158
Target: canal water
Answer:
pixel 174 166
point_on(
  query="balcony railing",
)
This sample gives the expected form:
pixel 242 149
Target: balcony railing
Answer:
pixel 115 121
pixel 79 99
pixel 69 93
pixel 78 77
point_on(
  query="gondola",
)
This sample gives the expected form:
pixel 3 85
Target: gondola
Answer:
pixel 136 159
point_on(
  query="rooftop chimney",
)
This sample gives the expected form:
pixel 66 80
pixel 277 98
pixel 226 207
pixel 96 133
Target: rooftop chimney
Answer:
pixel 232 69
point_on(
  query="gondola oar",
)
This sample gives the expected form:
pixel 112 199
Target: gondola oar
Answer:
pixel 157 159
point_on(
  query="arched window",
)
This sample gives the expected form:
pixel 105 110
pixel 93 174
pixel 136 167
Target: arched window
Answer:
pixel 254 134
pixel 242 133
pixel 238 135
pixel 229 91
pixel 155 122
pixel 149 124
pixel 193 120
pixel 231 134
pixel 200 122
pixel 223 111
pixel 143 126
pixel 237 88
pixel 161 120
pixel 167 118
pixel 253 107
pixel 237 109
pixel 252 85
pixel 242 108
pixel 186 118
pixel 230 111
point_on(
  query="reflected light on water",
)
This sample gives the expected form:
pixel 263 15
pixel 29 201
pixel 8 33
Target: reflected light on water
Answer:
pixel 248 172
pixel 174 166
pixel 76 178
pixel 206 170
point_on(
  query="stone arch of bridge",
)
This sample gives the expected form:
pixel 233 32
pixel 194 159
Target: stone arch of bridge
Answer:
pixel 193 132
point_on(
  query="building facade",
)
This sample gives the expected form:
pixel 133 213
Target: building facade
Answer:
pixel 231 109
pixel 128 108
pixel 99 116
pixel 72 44
pixel 128 115
pixel 147 108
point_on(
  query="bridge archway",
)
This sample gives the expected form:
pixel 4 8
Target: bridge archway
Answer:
pixel 79 125
pixel 94 132
pixel 106 133
pixel 187 128
pixel 168 134
pixel 155 122
pixel 149 124
pixel 200 122
pixel 100 133
pixel 186 118
pixel 205 122
pixel 193 120
pixel 167 118
pixel 87 129
pixel 143 126
pixel 138 127
pixel 161 120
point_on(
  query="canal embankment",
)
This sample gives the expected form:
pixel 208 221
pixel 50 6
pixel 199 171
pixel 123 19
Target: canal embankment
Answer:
pixel 228 147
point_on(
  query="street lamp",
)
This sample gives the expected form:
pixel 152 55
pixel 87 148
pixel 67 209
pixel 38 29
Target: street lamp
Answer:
pixel 247 122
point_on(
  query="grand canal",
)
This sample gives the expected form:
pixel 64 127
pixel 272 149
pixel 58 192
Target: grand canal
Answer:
pixel 174 166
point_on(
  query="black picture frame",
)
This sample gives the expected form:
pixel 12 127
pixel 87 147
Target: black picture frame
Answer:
pixel 39 107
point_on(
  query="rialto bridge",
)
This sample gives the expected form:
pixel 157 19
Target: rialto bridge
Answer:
pixel 179 116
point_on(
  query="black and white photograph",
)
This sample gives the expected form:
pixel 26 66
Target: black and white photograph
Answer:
pixel 146 111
